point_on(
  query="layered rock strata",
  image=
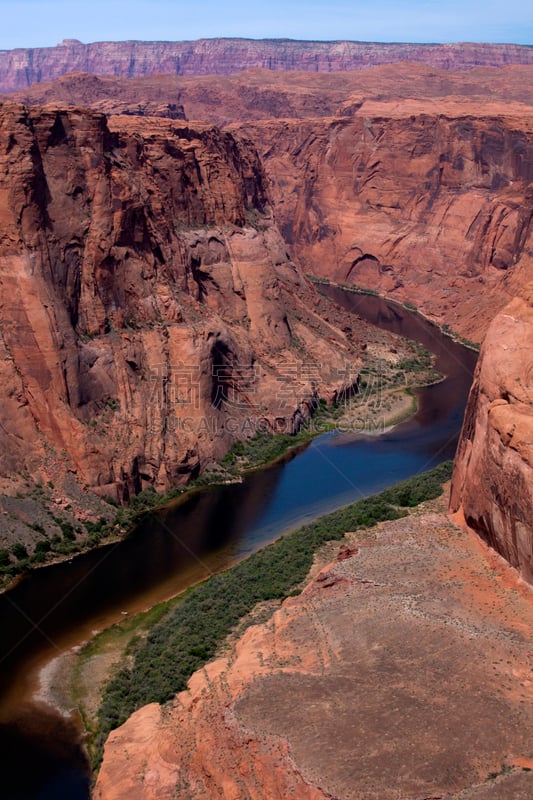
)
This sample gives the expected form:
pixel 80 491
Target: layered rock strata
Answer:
pixel 22 67
pixel 148 306
pixel 492 489
pixel 263 94
pixel 379 681
pixel 422 201
pixel 407 180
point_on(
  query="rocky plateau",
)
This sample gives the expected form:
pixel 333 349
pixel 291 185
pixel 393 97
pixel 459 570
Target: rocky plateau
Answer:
pixel 401 649
pixel 22 67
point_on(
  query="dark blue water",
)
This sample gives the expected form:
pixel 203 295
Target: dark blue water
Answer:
pixel 326 476
pixel 59 606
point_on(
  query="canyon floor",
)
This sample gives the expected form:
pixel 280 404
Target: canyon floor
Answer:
pixel 153 268
pixel 76 678
pixel 403 670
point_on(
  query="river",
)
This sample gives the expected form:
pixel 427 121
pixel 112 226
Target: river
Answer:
pixel 59 607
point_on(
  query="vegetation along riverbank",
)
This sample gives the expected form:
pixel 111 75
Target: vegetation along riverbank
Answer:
pixel 384 397
pixel 149 658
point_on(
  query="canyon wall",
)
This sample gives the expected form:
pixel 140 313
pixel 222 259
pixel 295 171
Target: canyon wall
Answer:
pixel 148 307
pixel 150 310
pixel 492 487
pixel 22 67
pixel 265 94
pixel 427 202
pixel 404 179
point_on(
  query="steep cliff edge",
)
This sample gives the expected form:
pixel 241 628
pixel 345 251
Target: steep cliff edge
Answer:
pixel 379 681
pixel 266 94
pixel 492 486
pixel 148 307
pixel 20 68
pixel 409 180
pixel 427 201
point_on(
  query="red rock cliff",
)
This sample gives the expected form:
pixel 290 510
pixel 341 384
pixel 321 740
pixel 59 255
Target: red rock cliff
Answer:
pixel 426 201
pixel 147 301
pixel 405 179
pixel 266 94
pixel 325 700
pixel 493 475
pixel 20 68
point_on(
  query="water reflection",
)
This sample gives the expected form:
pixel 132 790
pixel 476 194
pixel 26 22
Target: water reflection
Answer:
pixel 61 605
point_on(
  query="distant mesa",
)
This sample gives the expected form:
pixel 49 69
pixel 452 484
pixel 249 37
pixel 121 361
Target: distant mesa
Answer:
pixel 131 59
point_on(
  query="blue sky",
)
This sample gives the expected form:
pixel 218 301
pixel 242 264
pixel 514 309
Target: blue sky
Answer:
pixel 41 23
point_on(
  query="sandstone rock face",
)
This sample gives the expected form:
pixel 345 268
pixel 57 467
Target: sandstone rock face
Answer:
pixel 19 68
pixel 379 681
pixel 147 301
pixel 493 475
pixel 266 94
pixel 424 201
pixel 110 96
pixel 405 179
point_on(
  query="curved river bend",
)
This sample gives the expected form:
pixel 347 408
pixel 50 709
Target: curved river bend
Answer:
pixel 60 606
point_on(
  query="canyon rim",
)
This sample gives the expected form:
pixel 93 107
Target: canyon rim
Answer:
pixel 167 213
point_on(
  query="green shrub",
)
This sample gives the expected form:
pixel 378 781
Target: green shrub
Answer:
pixel 191 632
pixel 68 531
pixel 19 551
pixel 148 498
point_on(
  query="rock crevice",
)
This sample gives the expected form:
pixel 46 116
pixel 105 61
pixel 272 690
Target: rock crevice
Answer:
pixel 146 296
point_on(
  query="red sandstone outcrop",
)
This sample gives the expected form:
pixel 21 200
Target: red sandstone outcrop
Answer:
pixel 406 179
pixel 427 201
pixel 132 247
pixel 20 68
pixel 264 94
pixel 492 486
pixel 152 97
pixel 147 301
pixel 380 681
